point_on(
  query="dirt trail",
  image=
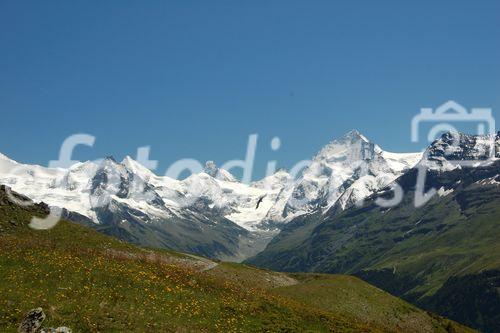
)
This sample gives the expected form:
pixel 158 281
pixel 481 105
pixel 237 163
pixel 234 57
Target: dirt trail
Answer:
pixel 197 263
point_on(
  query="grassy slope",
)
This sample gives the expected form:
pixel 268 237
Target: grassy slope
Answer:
pixel 434 244
pixel 407 251
pixel 451 236
pixel 360 302
pixel 94 283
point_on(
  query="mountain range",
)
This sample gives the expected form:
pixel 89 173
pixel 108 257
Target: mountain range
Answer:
pixel 90 282
pixel 443 256
pixel 440 252
pixel 209 213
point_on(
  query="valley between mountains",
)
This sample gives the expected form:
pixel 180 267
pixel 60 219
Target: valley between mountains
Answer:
pixel 90 282
pixel 209 213
pixel 442 256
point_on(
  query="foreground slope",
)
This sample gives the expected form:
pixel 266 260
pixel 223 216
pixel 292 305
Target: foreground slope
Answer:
pixel 359 302
pixel 94 283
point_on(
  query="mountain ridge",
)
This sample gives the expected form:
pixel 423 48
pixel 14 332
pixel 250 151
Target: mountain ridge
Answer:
pixel 418 253
pixel 257 211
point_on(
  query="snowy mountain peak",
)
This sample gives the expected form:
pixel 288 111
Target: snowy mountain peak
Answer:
pixel 345 171
pixel 3 157
pixel 277 180
pixel 137 168
pixel 351 147
pixel 130 161
pixel 6 164
pixel 453 147
pixel 110 158
pixel 354 135
pixel 212 170
pixel 341 173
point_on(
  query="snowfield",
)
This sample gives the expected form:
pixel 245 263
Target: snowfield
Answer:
pixel 338 175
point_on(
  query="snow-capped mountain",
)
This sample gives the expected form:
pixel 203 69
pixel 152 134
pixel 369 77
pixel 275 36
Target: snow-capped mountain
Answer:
pixel 130 201
pixel 125 198
pixel 87 185
pixel 416 250
pixel 455 150
pixel 344 172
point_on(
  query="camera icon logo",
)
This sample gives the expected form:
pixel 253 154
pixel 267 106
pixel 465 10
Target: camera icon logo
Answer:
pixel 479 120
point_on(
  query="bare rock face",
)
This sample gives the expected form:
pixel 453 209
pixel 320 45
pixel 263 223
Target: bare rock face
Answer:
pixel 32 322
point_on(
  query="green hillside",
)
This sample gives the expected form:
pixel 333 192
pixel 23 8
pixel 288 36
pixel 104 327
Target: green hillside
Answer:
pixel 411 252
pixel 359 302
pixel 93 283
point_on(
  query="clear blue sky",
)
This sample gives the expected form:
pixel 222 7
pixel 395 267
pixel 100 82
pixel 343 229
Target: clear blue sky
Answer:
pixel 195 78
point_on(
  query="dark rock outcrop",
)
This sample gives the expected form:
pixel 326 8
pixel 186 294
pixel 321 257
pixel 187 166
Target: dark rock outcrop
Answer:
pixel 32 322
